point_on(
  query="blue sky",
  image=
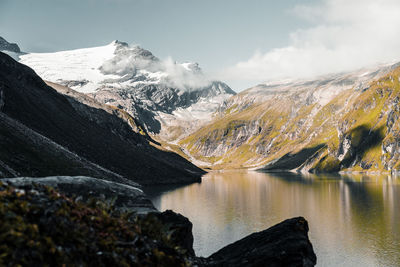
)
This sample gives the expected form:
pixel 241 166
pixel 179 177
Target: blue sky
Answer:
pixel 240 42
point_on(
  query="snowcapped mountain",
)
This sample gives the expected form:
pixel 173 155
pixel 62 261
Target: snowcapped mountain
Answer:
pixel 169 98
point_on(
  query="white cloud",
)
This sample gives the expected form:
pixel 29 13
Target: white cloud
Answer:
pixel 346 35
pixel 130 60
pixel 181 77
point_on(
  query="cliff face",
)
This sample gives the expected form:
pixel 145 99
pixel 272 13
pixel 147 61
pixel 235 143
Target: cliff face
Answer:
pixel 338 122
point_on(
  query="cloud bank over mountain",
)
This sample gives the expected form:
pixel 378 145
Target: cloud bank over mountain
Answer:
pixel 130 60
pixel 344 35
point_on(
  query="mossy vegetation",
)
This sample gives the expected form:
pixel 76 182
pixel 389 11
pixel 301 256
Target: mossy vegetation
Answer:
pixel 327 164
pixel 41 227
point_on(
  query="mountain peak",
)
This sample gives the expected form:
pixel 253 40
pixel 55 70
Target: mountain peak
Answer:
pixel 124 50
pixel 192 66
pixel 119 43
pixel 12 47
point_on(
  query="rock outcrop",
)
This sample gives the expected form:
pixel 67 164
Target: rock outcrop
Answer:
pixel 285 244
pixel 6 46
pixel 180 229
pixel 126 198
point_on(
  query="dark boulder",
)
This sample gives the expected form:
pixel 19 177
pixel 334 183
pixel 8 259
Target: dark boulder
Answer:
pixel 180 228
pixel 285 244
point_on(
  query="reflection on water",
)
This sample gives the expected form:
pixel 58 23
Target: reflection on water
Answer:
pixel 354 220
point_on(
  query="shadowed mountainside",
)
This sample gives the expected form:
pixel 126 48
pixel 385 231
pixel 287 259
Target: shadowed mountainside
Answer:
pixel 85 140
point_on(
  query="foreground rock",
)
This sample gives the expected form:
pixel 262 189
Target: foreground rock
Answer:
pixel 121 196
pixel 285 244
pixel 40 226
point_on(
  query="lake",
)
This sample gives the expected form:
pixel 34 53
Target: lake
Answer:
pixel 354 219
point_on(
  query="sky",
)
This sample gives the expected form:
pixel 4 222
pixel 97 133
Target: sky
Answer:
pixel 242 42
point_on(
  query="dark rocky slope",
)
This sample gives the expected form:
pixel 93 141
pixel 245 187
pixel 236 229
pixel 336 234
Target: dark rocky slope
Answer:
pixel 91 133
pixel 40 226
pixel 28 153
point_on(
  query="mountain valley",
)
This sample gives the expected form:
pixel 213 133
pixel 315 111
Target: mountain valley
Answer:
pixel 340 122
pixel 337 122
pixel 103 123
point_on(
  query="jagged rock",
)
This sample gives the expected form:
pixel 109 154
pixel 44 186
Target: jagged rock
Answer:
pixel 285 244
pixel 180 228
pixel 6 46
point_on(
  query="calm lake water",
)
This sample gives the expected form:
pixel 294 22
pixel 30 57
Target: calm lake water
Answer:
pixel 354 220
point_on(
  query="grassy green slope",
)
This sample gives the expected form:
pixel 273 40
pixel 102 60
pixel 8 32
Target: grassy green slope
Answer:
pixel 357 130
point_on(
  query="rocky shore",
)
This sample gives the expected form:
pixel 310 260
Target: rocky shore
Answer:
pixel 86 221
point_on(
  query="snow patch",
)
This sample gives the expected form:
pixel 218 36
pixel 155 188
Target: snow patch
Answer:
pixel 79 64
